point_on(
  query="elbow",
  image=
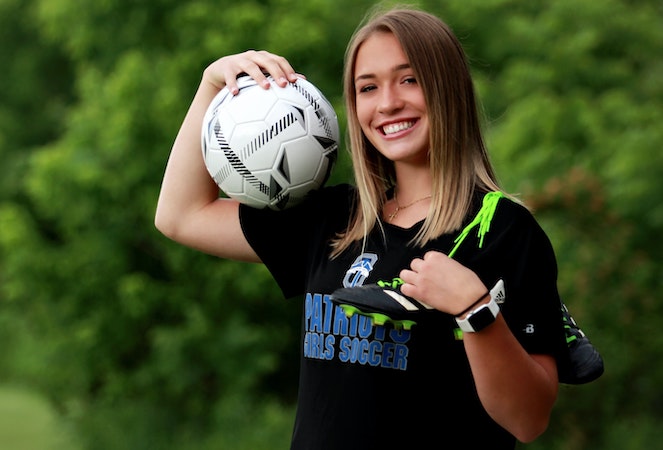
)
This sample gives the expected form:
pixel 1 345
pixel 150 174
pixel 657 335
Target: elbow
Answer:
pixel 530 430
pixel 163 229
pixel 160 226
pixel 528 436
pixel 166 226
pixel 525 424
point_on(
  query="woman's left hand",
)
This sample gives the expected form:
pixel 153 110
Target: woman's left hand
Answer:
pixel 442 282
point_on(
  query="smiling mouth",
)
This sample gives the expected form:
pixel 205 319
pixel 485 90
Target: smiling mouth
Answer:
pixel 396 127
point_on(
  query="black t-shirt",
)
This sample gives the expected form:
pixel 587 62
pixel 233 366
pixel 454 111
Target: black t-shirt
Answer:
pixel 374 387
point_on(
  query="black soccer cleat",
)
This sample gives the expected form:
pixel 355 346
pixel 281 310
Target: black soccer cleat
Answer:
pixel 383 302
pixel 583 362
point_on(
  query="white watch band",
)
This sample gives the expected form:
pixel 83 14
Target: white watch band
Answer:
pixel 492 308
pixel 466 325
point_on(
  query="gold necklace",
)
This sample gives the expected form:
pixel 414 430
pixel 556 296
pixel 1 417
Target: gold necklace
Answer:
pixel 400 208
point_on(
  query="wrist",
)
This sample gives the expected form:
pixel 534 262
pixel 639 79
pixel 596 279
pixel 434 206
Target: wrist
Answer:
pixel 482 298
pixel 483 315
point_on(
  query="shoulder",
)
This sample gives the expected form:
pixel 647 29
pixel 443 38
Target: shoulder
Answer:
pixel 341 193
pixel 515 212
pixel 329 201
pixel 497 217
pixel 486 207
pixel 489 208
pixel 515 223
pixel 515 209
pixel 325 207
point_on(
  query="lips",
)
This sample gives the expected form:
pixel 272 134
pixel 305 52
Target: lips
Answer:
pixel 393 128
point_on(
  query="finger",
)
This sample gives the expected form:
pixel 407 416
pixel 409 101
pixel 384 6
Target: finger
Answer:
pixel 225 71
pixel 408 276
pixel 408 289
pixel 416 264
pixel 231 84
pixel 281 70
pixel 252 65
pixel 267 63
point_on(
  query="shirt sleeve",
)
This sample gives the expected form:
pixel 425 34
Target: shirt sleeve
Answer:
pixel 287 241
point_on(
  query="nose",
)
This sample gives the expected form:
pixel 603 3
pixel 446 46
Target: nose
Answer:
pixel 390 101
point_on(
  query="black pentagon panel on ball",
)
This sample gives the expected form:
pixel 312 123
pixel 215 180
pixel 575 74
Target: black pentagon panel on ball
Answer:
pixel 275 188
pixel 326 143
pixel 283 167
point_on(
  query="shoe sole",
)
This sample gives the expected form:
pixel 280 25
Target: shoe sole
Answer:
pixel 378 318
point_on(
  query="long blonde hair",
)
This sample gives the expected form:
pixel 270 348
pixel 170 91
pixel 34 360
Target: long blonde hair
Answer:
pixel 458 159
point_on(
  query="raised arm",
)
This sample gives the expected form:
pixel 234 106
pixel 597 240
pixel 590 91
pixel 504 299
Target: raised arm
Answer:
pixel 189 210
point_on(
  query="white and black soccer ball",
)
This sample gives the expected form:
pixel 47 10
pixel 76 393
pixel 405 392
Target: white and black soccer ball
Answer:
pixel 269 148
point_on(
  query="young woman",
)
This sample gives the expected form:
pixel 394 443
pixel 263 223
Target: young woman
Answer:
pixel 422 176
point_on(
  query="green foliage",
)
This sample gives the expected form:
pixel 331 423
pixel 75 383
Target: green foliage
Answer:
pixel 36 77
pixel 27 422
pixel 145 344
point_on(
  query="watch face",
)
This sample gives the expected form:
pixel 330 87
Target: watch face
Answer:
pixel 481 318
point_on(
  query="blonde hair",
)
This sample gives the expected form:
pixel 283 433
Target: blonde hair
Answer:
pixel 458 159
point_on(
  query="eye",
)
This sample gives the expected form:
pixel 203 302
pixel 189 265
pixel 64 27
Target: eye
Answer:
pixel 366 88
pixel 410 80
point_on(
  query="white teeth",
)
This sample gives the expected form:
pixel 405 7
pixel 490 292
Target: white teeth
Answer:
pixel 396 127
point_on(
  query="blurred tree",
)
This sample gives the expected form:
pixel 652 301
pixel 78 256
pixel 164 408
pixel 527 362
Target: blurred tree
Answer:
pixel 35 89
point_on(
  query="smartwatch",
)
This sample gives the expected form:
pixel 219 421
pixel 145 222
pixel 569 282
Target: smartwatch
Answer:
pixel 482 316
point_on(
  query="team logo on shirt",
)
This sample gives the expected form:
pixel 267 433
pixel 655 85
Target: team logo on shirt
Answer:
pixel 360 269
pixel 330 334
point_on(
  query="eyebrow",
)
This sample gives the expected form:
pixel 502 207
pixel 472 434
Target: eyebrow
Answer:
pixel 370 75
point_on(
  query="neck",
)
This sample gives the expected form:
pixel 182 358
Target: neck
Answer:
pixel 412 182
pixel 402 204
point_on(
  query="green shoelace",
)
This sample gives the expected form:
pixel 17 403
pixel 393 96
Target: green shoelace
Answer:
pixel 482 219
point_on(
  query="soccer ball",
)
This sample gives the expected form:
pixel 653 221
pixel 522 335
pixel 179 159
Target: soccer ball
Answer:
pixel 269 148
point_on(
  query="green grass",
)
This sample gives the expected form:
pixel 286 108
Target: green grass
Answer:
pixel 27 422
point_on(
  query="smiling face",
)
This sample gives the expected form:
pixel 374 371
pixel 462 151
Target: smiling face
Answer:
pixel 390 104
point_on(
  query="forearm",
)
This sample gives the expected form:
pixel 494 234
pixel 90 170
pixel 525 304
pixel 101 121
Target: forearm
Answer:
pixel 518 390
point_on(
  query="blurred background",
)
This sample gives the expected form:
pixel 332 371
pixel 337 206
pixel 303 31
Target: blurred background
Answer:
pixel 113 337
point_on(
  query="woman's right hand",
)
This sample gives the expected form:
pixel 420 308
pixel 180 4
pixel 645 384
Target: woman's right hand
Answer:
pixel 224 71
